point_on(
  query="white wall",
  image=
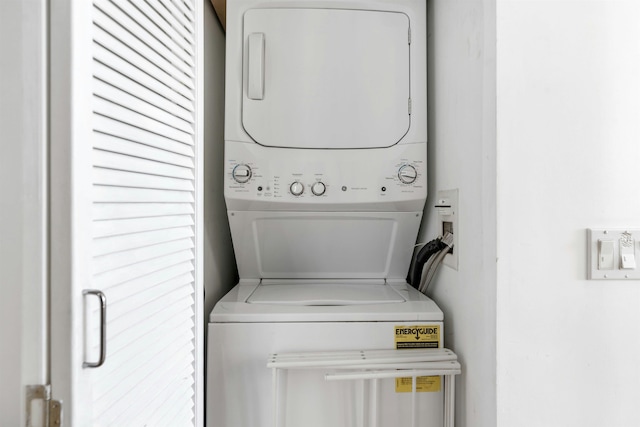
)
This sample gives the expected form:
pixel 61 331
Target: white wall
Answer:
pixel 568 158
pixel 219 262
pixel 461 149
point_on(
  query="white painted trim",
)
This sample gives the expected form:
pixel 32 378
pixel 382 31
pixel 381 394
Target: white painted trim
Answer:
pixel 199 215
pixel 70 62
pixel 23 207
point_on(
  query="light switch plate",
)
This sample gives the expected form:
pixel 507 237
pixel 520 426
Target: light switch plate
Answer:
pixel 618 236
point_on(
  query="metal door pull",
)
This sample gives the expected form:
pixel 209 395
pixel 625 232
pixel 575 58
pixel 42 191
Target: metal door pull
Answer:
pixel 103 328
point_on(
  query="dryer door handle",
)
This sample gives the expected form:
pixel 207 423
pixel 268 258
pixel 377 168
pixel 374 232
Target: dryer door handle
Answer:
pixel 255 81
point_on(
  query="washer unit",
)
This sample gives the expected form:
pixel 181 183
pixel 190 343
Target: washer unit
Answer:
pixel 325 183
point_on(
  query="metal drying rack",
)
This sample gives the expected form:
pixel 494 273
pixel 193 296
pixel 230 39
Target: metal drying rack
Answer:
pixel 371 366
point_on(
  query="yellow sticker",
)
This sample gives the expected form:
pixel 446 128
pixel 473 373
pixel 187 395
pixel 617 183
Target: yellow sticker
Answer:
pixel 423 384
pixel 417 336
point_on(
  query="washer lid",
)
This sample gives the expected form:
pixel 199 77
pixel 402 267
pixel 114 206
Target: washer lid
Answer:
pixel 234 308
pixel 326 78
pixel 324 292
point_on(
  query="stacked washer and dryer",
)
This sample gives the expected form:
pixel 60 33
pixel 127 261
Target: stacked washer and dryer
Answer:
pixel 325 184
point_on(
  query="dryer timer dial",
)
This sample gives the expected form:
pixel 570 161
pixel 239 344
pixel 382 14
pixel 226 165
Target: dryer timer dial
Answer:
pixel 241 173
pixel 407 174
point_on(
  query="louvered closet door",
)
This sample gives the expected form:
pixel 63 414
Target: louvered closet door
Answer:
pixel 142 156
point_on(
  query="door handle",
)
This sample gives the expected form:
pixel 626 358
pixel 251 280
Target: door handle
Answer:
pixel 255 80
pixel 103 328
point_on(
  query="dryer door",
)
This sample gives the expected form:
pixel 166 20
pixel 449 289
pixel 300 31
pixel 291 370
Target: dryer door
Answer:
pixel 326 78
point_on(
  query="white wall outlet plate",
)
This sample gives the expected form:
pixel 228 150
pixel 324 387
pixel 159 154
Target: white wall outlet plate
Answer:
pixel 447 208
pixel 612 254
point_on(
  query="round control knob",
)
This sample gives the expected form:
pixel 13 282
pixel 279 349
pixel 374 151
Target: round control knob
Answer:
pixel 318 188
pixel 407 174
pixel 241 173
pixel 296 188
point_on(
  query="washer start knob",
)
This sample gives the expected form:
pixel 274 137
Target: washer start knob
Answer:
pixel 296 188
pixel 407 174
pixel 241 173
pixel 318 188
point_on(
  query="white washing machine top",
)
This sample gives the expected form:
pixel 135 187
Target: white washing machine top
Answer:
pixel 324 301
pixel 324 292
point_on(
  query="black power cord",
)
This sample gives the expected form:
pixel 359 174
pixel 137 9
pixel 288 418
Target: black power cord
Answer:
pixel 421 258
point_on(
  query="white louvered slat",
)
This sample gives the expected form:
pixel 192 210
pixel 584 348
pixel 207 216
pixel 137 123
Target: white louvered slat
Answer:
pixel 116 401
pixel 125 338
pixel 110 26
pixel 108 126
pixel 123 363
pixel 168 21
pixel 133 118
pixel 148 375
pixel 103 211
pixel 146 151
pixel 186 413
pixel 183 9
pixel 124 258
pixel 185 54
pixel 165 399
pixel 185 43
pixel 156 396
pixel 183 413
pixel 177 57
pixel 124 242
pixel 105 39
pixel 118 278
pixel 167 412
pixel 125 366
pixel 133 195
pixel 128 69
pixel 117 79
pixel 111 160
pixel 123 323
pixel 155 295
pixel 136 225
pixel 112 177
pixel 144 210
pixel 189 4
pixel 176 13
pixel 146 372
pixel 122 291
pixel 136 335
pixel 120 97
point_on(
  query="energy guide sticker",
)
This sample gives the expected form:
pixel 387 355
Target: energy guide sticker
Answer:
pixel 417 336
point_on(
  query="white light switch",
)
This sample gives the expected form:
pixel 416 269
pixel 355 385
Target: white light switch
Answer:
pixel 605 255
pixel 627 251
pixel 612 254
pixel 627 261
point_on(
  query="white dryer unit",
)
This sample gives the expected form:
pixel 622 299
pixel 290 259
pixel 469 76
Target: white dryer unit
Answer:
pixel 325 182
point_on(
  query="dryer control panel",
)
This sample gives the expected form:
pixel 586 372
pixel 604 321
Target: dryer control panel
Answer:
pixel 392 179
